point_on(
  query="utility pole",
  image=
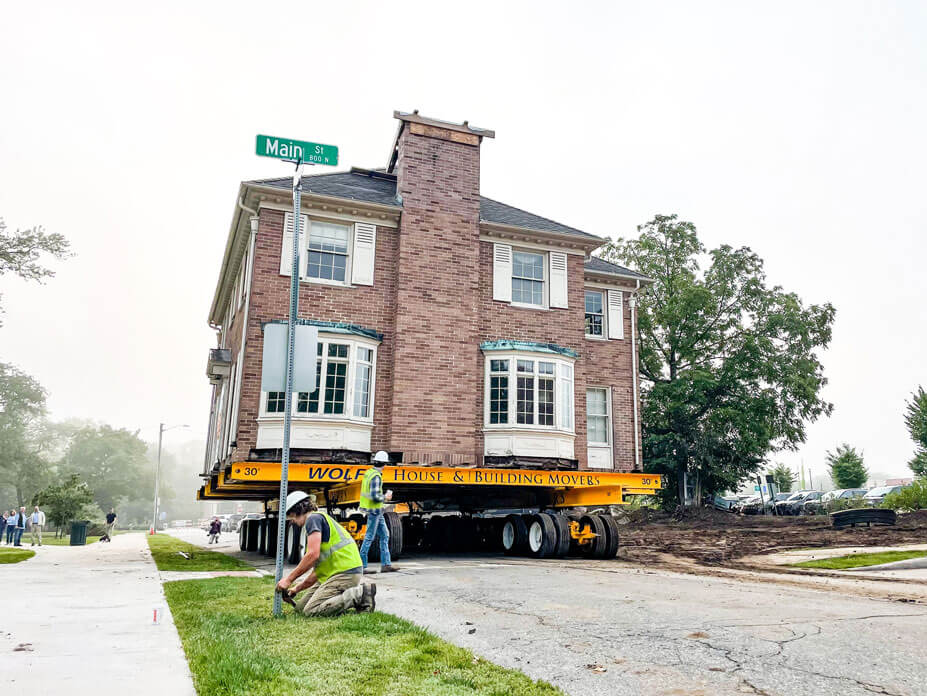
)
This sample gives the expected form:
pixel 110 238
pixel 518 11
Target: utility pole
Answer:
pixel 157 503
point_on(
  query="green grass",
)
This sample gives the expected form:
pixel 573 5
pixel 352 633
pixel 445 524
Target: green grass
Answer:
pixel 14 555
pixel 235 648
pixel 860 560
pixel 164 550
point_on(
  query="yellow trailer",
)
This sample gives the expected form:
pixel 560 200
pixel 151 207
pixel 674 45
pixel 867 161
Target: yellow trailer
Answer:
pixel 541 513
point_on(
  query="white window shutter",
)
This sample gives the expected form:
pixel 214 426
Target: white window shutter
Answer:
pixel 565 377
pixel 615 315
pixel 365 245
pixel 286 251
pixel 502 272
pixel 558 279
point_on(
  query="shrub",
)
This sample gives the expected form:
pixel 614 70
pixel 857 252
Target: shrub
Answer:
pixel 845 504
pixel 913 497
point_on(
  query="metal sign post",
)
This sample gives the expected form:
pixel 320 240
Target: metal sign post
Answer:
pixel 299 152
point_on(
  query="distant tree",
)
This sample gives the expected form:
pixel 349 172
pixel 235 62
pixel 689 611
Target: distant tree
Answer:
pixel 20 251
pixel 65 500
pixel 111 461
pixel 784 477
pixel 729 365
pixel 846 467
pixel 22 410
pixel 915 418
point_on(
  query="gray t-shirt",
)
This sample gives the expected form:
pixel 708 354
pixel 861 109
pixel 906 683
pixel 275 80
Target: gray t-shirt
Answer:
pixel 317 523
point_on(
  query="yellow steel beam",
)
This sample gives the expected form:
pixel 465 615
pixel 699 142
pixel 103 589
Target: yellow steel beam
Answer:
pixel 269 472
pixel 595 495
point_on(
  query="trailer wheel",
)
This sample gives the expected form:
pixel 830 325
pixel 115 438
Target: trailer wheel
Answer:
pixel 434 533
pixel 270 534
pixel 514 535
pixel 413 532
pixel 542 536
pixel 261 547
pixel 394 525
pixel 611 535
pixel 562 526
pixel 595 548
pixel 251 540
pixel 242 536
pixel 293 543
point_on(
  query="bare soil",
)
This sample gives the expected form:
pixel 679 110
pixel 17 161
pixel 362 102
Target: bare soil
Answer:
pixel 715 538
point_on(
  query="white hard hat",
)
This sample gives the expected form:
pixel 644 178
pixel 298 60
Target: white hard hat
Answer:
pixel 295 497
pixel 381 456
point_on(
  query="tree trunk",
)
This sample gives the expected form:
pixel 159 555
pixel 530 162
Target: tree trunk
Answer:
pixel 681 482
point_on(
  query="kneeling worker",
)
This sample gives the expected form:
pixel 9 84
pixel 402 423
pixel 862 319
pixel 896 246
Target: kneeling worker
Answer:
pixel 332 555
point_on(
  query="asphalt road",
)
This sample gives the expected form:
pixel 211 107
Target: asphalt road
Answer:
pixel 607 627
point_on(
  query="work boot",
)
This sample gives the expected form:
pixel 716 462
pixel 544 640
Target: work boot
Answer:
pixel 369 571
pixel 389 569
pixel 368 600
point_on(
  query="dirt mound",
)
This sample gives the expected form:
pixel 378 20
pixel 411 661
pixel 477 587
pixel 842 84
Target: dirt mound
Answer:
pixel 714 537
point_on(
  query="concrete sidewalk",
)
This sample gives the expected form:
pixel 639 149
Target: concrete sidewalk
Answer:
pixel 78 620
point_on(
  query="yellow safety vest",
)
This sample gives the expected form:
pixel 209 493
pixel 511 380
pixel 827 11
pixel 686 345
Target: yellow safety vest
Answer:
pixel 366 502
pixel 338 554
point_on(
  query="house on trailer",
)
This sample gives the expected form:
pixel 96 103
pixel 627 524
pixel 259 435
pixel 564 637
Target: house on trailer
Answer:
pixel 453 328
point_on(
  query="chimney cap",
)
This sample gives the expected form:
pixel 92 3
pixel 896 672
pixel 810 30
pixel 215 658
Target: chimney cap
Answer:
pixel 464 127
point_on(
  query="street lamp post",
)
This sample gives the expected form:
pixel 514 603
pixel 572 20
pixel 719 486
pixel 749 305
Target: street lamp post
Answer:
pixel 161 430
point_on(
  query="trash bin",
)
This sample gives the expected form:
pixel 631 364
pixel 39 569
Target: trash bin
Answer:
pixel 79 532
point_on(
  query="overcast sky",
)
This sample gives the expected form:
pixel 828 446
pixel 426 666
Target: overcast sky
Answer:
pixel 796 128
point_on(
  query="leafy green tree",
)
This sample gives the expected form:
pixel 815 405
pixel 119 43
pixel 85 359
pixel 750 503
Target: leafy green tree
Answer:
pixel 915 418
pixel 23 470
pixel 64 501
pixel 846 467
pixel 729 365
pixel 784 477
pixel 20 251
pixel 112 462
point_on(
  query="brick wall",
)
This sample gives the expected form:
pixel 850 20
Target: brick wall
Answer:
pixel 435 388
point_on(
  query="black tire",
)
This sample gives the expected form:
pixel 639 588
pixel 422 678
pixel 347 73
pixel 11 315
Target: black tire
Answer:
pixel 514 534
pixel 271 535
pixel 611 535
pixel 562 527
pixel 242 536
pixel 434 534
pixel 251 535
pixel 596 548
pixel 542 536
pixel 413 532
pixel 394 525
pixel 293 548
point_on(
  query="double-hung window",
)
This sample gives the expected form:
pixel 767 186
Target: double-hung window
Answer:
pixel 328 251
pixel 595 314
pixel 523 391
pixel 597 417
pixel 528 278
pixel 344 384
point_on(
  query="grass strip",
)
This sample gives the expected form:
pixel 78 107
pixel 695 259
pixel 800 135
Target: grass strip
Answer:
pixel 860 560
pixel 166 549
pixel 15 555
pixel 235 647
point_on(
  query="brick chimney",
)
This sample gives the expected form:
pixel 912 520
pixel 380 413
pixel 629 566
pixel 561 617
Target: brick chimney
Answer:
pixel 437 368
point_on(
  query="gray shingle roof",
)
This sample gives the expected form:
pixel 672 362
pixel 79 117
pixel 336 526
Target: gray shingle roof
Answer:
pixel 598 265
pixel 494 211
pixel 370 187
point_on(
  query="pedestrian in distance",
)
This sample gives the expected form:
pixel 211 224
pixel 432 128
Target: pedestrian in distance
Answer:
pixel 10 527
pixel 3 518
pixel 20 526
pixel 36 524
pixel 371 502
pixel 215 528
pixel 335 584
pixel 110 525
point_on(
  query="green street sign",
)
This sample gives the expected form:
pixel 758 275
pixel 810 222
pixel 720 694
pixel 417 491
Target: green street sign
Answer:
pixel 286 149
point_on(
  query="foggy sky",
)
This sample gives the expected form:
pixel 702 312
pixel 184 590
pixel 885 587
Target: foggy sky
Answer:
pixel 794 128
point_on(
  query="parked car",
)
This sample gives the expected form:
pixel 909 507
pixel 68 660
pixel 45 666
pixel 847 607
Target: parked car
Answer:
pixel 833 499
pixel 725 502
pixel 792 504
pixel 875 497
pixel 249 516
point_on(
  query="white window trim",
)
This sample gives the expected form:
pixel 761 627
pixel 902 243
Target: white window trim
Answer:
pixel 349 256
pixel 604 295
pixel 513 357
pixel 545 300
pixel 353 343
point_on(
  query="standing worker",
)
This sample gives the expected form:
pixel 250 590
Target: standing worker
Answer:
pixel 371 501
pixel 20 526
pixel 332 556
pixel 215 528
pixel 110 525
pixel 38 522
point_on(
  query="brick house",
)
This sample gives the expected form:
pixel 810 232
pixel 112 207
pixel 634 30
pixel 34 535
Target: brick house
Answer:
pixel 453 328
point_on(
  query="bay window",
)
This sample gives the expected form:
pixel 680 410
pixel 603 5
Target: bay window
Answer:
pixel 525 391
pixel 344 383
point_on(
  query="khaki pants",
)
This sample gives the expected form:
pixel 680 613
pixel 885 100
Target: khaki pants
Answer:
pixel 336 595
pixel 110 529
pixel 36 534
